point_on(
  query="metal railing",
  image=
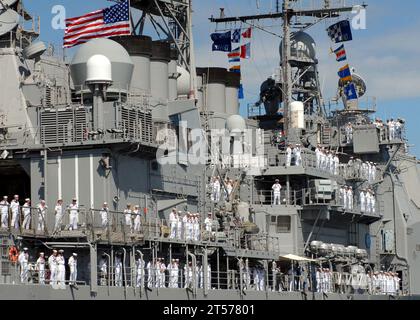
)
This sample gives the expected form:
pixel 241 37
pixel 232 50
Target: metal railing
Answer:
pixel 310 196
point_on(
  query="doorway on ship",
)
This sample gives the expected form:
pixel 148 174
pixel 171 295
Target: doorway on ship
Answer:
pixel 14 180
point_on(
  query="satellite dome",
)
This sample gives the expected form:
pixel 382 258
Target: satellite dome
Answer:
pixel 302 45
pixel 183 81
pixel 235 123
pixel 99 69
pixel 121 64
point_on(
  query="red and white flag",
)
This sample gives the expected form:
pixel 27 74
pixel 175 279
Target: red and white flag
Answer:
pixel 108 22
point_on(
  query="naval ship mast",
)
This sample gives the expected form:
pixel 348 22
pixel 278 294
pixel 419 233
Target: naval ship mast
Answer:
pixel 291 9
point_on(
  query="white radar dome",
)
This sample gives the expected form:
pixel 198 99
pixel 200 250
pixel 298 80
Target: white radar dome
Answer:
pixel 99 69
pixel 183 81
pixel 235 123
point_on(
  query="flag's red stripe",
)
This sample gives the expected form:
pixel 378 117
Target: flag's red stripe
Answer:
pixel 101 28
pixel 87 38
pixel 84 16
pixel 83 23
pixel 75 30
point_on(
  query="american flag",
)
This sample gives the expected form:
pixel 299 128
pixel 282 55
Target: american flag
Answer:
pixel 108 22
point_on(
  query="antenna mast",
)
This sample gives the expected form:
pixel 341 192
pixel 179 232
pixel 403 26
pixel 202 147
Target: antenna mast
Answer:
pixel 290 11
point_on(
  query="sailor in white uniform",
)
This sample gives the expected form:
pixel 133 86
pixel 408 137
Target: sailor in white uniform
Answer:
pixel 104 215
pixel 127 216
pixel 23 260
pixel 150 273
pixel 276 192
pixel 362 199
pixel 173 221
pixel 137 218
pixel 118 271
pixel 4 207
pixel 40 267
pixel 298 155
pixel 14 207
pixel 58 211
pixel 288 155
pixel 72 263
pixel 336 161
pixel 61 268
pixel 318 156
pixel 73 214
pixel 208 222
pixel 216 190
pixel 26 211
pixel 52 265
pixel 140 272
pixel 179 225
pixel 350 198
pixel 42 213
pixel 173 274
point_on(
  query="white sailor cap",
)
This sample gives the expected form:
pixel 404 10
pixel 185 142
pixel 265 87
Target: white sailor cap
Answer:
pixel 5 197
pixel 209 214
pixel 74 199
pixel 25 249
pixel 59 199
pixel 105 203
pixel 55 250
pixel 41 253
pixel 16 196
pixel 27 199
pixel 61 250
pixel 74 254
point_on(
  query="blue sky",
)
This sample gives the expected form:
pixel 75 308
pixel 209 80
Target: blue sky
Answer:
pixel 385 54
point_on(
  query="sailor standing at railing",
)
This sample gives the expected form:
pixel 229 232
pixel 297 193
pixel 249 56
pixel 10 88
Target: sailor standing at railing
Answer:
pixel 349 133
pixel 261 278
pixel 298 155
pixel 329 161
pixel 179 224
pixel 391 129
pixel 350 169
pixel 40 267
pixel 369 171
pixel 58 211
pixel 4 204
pixel 140 272
pixel 372 201
pixel 350 198
pixel 276 192
pixel 173 271
pixel 336 161
pixel 362 199
pixel 72 263
pixel 42 213
pixel 103 269
pixel 345 203
pixel 208 223
pixel 150 273
pixel 23 260
pixel 188 273
pixel 368 201
pixel 137 218
pixel 373 172
pixel 323 159
pixel 162 274
pixel 26 211
pixel 318 156
pixel 288 155
pixel 318 277
pixel 61 268
pixel 215 195
pixel 173 223
pixel 52 265
pixel 74 214
pixel 104 215
pixel 127 216
pixel 190 226
pixel 118 270
pixel 14 207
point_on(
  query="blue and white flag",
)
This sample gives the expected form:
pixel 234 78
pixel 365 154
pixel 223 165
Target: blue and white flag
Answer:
pixel 236 36
pixel 350 91
pixel 340 31
pixel 241 92
pixel 222 41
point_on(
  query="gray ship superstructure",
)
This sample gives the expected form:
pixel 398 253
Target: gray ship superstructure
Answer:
pixel 115 126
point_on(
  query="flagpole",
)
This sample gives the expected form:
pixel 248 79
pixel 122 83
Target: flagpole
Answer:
pixel 131 17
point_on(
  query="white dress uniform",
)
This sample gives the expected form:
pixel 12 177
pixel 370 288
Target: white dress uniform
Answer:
pixel 229 189
pixel 4 213
pixel 336 165
pixel 137 220
pixel 185 227
pixel 61 269
pixel 350 199
pixel 14 207
pixel 173 275
pixel 74 216
pixel 40 266
pixel 372 202
pixel 23 261
pixel 391 127
pixel 276 192
pixel 208 223
pixel 323 161
pixel 103 267
pixel 72 263
pixel 197 229
pixel 190 228
pixel 127 216
pixel 318 277
pixel 261 279
pixel 330 163
pixel 173 221
pixel 52 264
pixel 118 272
pixel 42 213
pixel 288 156
pixel 216 191
pixel 188 273
pixel 162 271
pixel 150 274
pixel 140 272
pixel 365 171
pixel 362 199
pixel 58 216
pixel 104 217
pixel 318 157
pixel 179 226
pixel 373 173
pixel 368 202
pixel 256 278
pixel 298 156
pixel 26 210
